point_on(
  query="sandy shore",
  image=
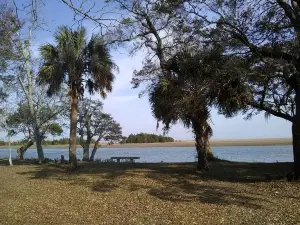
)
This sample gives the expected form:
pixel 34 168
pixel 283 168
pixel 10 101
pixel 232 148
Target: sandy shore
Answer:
pixel 229 142
pixel 237 142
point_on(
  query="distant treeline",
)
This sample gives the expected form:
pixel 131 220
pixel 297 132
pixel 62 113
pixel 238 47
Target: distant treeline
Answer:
pixel 147 138
pixel 61 141
pixel 132 138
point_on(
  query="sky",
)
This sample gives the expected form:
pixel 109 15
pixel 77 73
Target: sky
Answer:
pixel 134 113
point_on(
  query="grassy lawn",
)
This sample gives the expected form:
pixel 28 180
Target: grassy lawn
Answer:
pixel 231 193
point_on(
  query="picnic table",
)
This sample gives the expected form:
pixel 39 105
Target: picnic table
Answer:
pixel 125 158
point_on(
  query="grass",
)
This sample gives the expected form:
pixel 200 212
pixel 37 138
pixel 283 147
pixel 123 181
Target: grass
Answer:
pixel 144 193
pixel 232 142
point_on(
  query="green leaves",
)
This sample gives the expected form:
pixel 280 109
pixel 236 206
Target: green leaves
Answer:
pixel 9 26
pixel 127 21
pixel 48 52
pixel 77 63
pixel 21 120
pixel 147 138
pixel 93 122
pixel 55 129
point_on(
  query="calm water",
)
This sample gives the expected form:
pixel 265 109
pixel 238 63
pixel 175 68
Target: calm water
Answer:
pixel 179 154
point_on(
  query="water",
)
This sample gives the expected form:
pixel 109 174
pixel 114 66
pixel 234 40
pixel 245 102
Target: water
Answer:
pixel 178 154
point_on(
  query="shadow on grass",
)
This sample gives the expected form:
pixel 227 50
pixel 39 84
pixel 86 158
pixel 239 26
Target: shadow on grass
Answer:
pixel 208 194
pixel 170 182
pixel 4 162
pixel 103 186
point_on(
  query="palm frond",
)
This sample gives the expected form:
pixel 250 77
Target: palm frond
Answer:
pixel 62 36
pixel 52 72
pixel 48 52
pixel 79 63
pixel 100 64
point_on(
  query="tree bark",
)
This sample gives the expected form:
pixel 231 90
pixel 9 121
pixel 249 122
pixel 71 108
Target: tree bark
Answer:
pixel 201 139
pixel 86 150
pixel 28 90
pixel 10 157
pixel 296 149
pixel 73 130
pixel 94 150
pixel 296 132
pixel 202 154
pixel 39 147
pixel 23 149
pixel 210 155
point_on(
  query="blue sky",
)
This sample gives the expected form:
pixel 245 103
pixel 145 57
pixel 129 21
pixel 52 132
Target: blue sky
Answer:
pixel 134 113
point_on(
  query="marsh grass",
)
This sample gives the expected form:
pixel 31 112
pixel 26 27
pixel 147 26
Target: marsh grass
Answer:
pixel 233 142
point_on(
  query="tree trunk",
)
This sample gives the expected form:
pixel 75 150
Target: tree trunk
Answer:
pixel 296 132
pixel 73 130
pixel 10 156
pixel 210 155
pixel 39 147
pixel 202 154
pixel 201 139
pixel 23 149
pixel 94 151
pixel 296 149
pixel 28 90
pixel 86 150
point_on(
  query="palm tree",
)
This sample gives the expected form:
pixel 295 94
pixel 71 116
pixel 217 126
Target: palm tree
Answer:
pixel 170 103
pixel 194 84
pixel 80 65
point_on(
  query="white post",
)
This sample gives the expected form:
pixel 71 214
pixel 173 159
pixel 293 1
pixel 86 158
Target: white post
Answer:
pixel 10 158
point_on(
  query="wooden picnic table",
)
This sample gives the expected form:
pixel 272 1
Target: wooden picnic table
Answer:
pixel 125 157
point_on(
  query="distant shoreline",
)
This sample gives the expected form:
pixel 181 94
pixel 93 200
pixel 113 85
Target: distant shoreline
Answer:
pixel 228 142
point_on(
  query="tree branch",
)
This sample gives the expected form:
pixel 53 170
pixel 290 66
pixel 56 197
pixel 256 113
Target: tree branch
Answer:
pixel 288 10
pixel 86 15
pixel 273 112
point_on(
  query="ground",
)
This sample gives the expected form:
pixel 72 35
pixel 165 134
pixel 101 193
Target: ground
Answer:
pixel 103 193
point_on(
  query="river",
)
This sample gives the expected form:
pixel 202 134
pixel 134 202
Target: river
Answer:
pixel 177 154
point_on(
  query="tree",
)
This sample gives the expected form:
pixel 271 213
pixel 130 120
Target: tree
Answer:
pixel 5 128
pixel 48 121
pixel 266 34
pixel 33 109
pixel 93 122
pixel 197 81
pixel 155 26
pixel 109 130
pixel 148 27
pixel 167 99
pixel 10 25
pixel 273 42
pixel 76 62
pixel 90 117
pixel 104 18
pixel 9 146
pixel 147 138
pixel 36 114
pixel 169 95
